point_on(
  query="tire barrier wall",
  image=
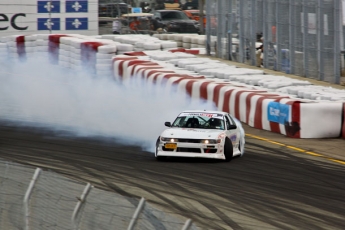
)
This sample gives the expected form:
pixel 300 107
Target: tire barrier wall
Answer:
pixel 258 108
pixel 275 103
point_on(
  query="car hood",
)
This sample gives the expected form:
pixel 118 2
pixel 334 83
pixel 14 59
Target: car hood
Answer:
pixel 192 133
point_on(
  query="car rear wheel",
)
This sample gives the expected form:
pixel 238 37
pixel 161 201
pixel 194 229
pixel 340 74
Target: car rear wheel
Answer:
pixel 240 148
pixel 228 150
pixel 158 158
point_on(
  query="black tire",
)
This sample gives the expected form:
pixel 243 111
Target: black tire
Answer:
pixel 159 158
pixel 228 150
pixel 239 148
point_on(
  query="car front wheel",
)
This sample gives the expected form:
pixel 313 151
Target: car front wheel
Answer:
pixel 158 158
pixel 228 150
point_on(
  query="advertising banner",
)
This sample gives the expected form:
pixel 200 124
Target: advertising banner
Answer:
pixel 21 17
pixel 279 113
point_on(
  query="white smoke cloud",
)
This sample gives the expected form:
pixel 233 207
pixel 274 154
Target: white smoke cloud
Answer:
pixel 84 105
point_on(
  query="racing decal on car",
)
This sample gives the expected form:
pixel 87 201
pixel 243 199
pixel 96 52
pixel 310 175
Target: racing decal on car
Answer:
pixel 196 130
pixel 233 138
pixel 221 136
pixel 201 114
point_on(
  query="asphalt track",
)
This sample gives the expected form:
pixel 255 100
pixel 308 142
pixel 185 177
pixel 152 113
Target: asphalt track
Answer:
pixel 271 187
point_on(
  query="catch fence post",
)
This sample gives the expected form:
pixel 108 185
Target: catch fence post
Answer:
pixel 320 37
pixel 337 41
pixel 136 214
pixel 27 197
pixel 292 31
pixel 81 201
pixel 187 224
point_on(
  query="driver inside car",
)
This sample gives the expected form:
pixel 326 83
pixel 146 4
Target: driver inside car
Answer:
pixel 216 124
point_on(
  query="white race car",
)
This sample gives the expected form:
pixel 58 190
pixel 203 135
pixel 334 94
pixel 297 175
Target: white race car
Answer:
pixel 205 134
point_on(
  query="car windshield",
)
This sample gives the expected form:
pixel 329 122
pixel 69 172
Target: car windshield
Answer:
pixel 200 121
pixel 173 15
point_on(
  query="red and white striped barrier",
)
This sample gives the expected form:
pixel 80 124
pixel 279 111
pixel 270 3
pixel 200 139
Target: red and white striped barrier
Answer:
pixel 319 120
pixel 257 108
pixel 54 47
pixel 257 105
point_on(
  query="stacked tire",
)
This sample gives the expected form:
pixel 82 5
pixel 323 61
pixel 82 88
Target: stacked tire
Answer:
pixel 65 52
pixel 104 59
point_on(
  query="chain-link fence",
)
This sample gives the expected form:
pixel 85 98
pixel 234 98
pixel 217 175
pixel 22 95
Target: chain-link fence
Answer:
pixel 302 37
pixel 35 199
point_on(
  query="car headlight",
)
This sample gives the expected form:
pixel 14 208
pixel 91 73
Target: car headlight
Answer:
pixel 168 139
pixel 212 141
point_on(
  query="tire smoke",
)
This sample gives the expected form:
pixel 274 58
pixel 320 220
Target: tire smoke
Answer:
pixel 38 93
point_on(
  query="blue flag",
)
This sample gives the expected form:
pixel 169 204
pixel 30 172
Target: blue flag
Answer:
pixel 48 24
pixel 52 6
pixel 76 6
pixel 77 24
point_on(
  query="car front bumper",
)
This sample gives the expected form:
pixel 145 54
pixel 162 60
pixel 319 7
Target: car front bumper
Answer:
pixel 213 151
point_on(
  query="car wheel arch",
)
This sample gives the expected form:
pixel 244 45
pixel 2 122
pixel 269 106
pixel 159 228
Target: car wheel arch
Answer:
pixel 228 149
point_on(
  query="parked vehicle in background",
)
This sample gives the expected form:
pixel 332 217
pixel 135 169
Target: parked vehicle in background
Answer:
pixel 194 15
pixel 175 21
pixel 112 8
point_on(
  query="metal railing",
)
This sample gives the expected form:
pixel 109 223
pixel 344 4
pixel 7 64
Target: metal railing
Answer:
pixel 302 37
pixel 34 199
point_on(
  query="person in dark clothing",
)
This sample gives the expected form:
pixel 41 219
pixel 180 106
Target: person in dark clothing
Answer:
pixel 191 5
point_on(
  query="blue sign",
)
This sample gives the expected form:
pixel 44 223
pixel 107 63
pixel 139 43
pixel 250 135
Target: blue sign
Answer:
pixel 277 112
pixel 80 6
pixel 52 6
pixel 77 24
pixel 136 10
pixel 48 23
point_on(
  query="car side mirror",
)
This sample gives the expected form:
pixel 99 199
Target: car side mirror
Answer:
pixel 232 127
pixel 167 123
pixel 158 19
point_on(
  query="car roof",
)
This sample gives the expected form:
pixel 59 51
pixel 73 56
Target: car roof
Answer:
pixel 204 111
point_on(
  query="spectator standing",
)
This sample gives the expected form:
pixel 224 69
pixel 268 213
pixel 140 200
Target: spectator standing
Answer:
pixel 117 26
pixel 260 53
pixel 135 24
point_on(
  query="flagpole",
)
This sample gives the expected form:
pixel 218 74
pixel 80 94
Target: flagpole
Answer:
pixel 50 18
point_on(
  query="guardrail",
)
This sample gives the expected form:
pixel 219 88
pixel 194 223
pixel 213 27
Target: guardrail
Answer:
pixel 38 199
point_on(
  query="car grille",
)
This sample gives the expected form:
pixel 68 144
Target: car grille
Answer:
pixel 185 140
pixel 210 150
pixel 189 150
